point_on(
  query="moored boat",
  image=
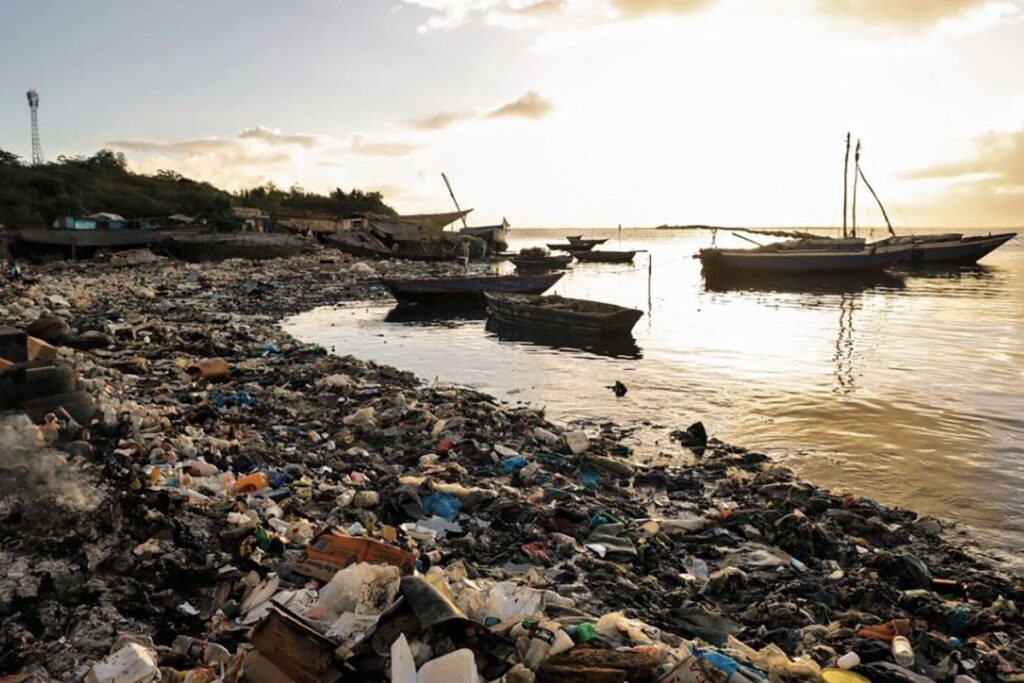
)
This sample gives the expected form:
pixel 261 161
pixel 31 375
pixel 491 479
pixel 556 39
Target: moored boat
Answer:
pixel 581 243
pixel 602 256
pixel 538 258
pixel 463 290
pixel 561 314
pixel 950 248
pixel 806 255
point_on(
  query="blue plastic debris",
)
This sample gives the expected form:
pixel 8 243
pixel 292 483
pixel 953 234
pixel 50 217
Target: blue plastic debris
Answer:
pixel 589 478
pixel 239 398
pixel 441 504
pixel 513 463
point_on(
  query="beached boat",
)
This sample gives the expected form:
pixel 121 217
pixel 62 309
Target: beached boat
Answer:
pixel 806 255
pixel 462 290
pixel 496 236
pixel 602 256
pixel 950 248
pixel 219 246
pixel 81 236
pixel 366 244
pixel 562 314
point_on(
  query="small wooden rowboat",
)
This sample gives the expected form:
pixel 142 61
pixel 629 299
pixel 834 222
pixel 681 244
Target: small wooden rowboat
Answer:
pixel 463 290
pixel 604 256
pixel 561 314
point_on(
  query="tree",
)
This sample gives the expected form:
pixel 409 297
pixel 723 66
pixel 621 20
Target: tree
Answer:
pixel 9 158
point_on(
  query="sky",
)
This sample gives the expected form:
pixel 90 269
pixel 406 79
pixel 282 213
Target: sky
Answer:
pixel 575 113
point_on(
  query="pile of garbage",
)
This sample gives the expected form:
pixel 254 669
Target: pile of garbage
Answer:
pixel 241 506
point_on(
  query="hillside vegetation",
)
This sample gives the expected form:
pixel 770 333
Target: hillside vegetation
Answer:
pixel 79 186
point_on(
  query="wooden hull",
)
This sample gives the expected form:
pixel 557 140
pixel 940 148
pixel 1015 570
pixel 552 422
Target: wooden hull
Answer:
pixel 217 247
pixel 463 290
pixel 561 314
pixel 605 256
pixel 768 262
pixel 553 262
pixel 568 246
pixel 957 250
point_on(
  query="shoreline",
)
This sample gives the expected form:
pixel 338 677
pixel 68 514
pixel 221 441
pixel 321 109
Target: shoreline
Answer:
pixel 121 549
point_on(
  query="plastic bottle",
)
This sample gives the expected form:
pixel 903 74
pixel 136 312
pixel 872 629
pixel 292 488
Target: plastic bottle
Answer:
pixel 581 633
pixel 209 653
pixel 902 652
pixel 541 636
pixel 848 661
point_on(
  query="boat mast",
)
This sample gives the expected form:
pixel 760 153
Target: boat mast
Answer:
pixel 449 186
pixel 846 171
pixel 884 214
pixel 853 208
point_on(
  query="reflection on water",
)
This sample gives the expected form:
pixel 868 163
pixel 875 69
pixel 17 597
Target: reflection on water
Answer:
pixel 612 345
pixel 435 315
pixel 905 388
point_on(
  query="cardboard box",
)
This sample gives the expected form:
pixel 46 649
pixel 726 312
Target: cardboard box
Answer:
pixel 299 652
pixel 332 550
pixel 40 350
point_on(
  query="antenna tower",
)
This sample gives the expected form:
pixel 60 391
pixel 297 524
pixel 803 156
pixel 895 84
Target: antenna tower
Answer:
pixel 37 147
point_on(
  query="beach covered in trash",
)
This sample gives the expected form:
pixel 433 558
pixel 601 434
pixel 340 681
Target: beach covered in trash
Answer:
pixel 221 502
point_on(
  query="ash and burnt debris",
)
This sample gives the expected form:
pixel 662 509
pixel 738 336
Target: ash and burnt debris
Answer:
pixel 192 502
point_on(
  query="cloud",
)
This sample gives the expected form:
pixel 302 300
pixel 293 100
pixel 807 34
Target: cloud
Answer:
pixel 989 187
pixel 441 119
pixel 197 146
pixel 636 8
pixel 531 105
pixel 258 154
pixel 359 145
pixel 906 13
pixel 275 137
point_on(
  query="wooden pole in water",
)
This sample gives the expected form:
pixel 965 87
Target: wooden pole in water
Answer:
pixel 853 209
pixel 846 171
pixel 449 186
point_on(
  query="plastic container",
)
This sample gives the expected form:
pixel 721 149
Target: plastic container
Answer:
pixel 541 636
pixel 201 650
pixel 848 661
pixel 131 663
pixel 902 652
pixel 252 482
pixel 454 667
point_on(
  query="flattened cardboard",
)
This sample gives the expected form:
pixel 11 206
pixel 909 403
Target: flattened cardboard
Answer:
pixel 332 550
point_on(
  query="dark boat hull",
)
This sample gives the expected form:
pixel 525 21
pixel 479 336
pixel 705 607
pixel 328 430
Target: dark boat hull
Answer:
pixel 555 262
pixel 460 291
pixel 560 314
pixel 605 256
pixel 217 247
pixel 568 246
pixel 770 263
pixel 962 252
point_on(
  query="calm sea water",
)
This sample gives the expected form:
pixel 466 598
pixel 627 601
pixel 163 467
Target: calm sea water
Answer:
pixel 908 390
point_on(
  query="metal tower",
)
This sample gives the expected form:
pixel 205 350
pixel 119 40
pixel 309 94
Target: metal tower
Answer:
pixel 37 147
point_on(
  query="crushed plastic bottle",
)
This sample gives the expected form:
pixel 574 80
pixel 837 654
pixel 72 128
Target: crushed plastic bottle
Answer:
pixel 201 650
pixel 902 652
